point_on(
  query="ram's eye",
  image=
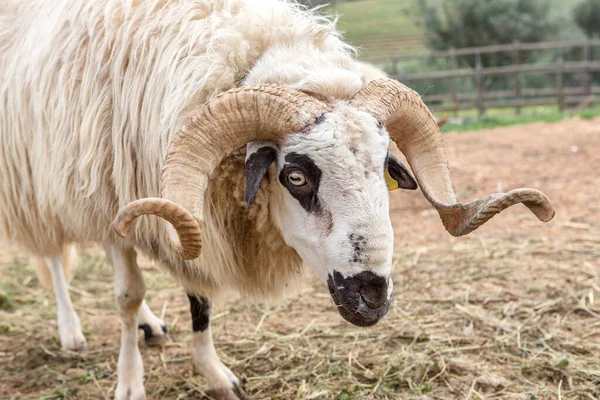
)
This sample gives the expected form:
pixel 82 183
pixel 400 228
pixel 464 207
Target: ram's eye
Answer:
pixel 296 178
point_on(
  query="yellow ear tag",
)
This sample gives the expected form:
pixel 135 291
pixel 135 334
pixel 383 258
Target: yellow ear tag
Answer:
pixel 391 182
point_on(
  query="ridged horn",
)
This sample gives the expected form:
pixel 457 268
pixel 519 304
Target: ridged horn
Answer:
pixel 414 130
pixel 227 122
pixel 187 229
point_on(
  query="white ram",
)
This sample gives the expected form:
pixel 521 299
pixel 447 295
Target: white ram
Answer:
pixel 106 102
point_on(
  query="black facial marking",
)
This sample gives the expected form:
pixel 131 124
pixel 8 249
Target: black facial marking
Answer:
pixel 400 173
pixel 307 193
pixel 359 243
pixel 147 331
pixel 257 165
pixel 200 310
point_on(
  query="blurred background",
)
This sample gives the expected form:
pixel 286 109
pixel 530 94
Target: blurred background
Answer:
pixel 483 63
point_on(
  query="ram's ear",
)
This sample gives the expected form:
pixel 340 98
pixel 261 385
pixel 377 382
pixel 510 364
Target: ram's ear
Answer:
pixel 397 175
pixel 259 157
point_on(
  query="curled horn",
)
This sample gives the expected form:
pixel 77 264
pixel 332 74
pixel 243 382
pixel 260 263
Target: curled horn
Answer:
pixel 227 122
pixel 414 130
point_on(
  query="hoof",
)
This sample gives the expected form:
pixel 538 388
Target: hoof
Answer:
pixel 239 392
pixel 131 387
pixel 234 393
pixel 134 392
pixel 154 337
pixel 73 341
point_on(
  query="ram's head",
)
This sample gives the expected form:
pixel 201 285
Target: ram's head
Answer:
pixel 333 170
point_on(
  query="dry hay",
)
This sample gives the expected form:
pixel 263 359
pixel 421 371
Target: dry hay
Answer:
pixel 513 317
pixel 510 319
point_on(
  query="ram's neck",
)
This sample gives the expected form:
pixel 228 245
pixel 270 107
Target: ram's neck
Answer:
pixel 241 248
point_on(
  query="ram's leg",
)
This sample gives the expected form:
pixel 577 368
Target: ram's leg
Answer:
pixel 222 383
pixel 154 328
pixel 69 326
pixel 129 294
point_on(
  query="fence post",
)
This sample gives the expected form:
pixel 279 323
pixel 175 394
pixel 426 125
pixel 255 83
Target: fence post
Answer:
pixel 452 67
pixel 516 63
pixel 479 83
pixel 394 71
pixel 587 81
pixel 560 68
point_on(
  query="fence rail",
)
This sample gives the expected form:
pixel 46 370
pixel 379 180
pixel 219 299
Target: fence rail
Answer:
pixel 515 46
pixel 519 97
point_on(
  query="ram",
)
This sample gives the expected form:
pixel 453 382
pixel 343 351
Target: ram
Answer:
pixel 247 125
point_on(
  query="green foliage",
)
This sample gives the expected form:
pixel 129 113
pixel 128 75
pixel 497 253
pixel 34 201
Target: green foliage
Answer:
pixel 472 23
pixel 475 23
pixel 587 17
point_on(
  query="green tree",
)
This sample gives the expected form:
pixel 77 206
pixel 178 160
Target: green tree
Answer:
pixel 587 17
pixel 474 23
pixel 469 23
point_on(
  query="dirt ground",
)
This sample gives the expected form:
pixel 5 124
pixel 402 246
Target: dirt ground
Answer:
pixel 510 311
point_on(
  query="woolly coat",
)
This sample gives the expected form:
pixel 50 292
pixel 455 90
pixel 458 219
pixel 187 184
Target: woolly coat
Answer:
pixel 91 94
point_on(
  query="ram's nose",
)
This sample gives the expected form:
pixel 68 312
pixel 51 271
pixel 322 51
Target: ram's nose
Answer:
pixel 375 294
pixel 363 298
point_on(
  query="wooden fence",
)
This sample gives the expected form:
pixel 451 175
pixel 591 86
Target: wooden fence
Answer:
pixel 561 94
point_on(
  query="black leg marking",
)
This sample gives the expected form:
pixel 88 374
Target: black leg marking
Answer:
pixel 152 339
pixel 147 331
pixel 200 309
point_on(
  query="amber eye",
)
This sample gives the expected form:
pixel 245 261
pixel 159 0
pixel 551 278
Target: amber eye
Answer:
pixel 296 178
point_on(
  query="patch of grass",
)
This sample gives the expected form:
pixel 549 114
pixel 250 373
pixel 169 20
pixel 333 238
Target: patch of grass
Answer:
pixel 486 122
pixel 420 388
pixel 344 395
pixel 590 113
pixel 338 370
pixel 378 17
pixel 494 118
pixel 381 27
pixel 6 303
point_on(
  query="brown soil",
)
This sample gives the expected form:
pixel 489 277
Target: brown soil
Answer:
pixel 508 312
